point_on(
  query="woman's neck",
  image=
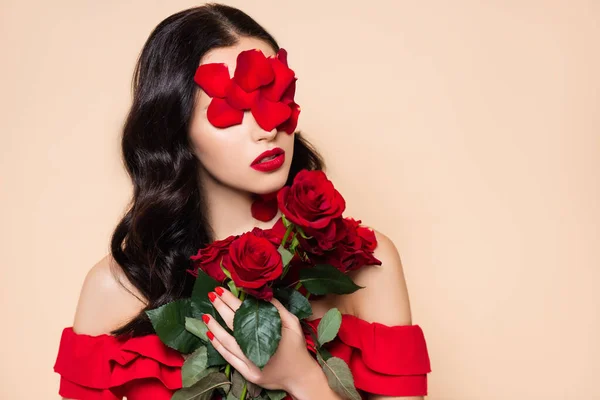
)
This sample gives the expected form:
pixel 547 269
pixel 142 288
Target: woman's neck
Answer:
pixel 229 210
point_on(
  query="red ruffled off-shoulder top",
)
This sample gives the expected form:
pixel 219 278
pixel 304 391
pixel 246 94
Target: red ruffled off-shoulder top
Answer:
pixel 384 360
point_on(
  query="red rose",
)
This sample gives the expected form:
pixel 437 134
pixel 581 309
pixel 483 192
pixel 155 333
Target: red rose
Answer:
pixel 253 262
pixel 367 236
pixel 270 234
pixel 311 201
pixel 356 248
pixel 322 240
pixel 209 258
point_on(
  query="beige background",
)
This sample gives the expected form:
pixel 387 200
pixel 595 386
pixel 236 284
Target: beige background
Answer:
pixel 468 131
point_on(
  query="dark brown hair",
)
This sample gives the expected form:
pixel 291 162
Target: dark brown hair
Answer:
pixel 166 220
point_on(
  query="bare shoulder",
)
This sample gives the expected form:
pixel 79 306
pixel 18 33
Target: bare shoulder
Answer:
pixel 107 299
pixel 384 297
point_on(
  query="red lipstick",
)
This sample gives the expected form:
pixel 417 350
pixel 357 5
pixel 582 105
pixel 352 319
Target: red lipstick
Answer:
pixel 269 161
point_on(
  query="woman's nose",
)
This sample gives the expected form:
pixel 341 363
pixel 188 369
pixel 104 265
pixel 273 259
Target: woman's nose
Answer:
pixel 266 135
pixel 258 132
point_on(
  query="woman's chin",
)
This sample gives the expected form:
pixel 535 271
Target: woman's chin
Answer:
pixel 269 185
pixel 263 190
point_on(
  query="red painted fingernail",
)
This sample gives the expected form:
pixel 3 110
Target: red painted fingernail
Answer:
pixel 210 335
pixel 219 290
pixel 212 296
pixel 205 318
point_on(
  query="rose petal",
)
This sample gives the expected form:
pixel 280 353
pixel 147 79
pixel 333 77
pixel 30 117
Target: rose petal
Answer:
pixel 282 56
pixel 289 126
pixel 240 99
pixel 264 209
pixel 252 70
pixel 264 293
pixel 283 79
pixel 290 92
pixel 269 114
pixel 222 115
pixel 213 78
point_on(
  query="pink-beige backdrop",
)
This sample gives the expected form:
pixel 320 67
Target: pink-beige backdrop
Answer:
pixel 467 131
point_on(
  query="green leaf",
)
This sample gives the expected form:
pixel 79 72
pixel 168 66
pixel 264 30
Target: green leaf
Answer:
pixel 237 384
pixel 169 323
pixel 231 396
pixel 324 353
pixel 203 285
pixel 324 279
pixel 253 389
pixel 257 329
pixel 200 304
pixel 203 389
pixel 340 378
pixel 194 367
pixel 294 301
pixel 197 327
pixel 286 255
pixel 276 394
pixel 215 359
pixel 329 326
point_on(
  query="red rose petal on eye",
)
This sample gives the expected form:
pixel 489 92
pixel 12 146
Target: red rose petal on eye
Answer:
pixel 239 98
pixel 213 79
pixel 283 79
pixel 222 115
pixel 252 70
pixel 289 126
pixel 269 114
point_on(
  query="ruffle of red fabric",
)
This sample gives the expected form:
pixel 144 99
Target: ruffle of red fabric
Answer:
pixel 385 360
pixel 106 368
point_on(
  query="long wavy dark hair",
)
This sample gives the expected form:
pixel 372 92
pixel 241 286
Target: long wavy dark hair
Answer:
pixel 166 219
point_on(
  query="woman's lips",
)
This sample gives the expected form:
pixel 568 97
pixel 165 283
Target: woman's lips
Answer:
pixel 270 160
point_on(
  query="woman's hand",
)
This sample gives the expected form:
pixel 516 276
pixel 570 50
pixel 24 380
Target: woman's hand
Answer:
pixel 291 365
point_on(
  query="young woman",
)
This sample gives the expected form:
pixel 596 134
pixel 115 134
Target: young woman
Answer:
pixel 197 167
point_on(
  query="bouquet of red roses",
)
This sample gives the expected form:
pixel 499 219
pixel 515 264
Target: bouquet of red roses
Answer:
pixel 307 253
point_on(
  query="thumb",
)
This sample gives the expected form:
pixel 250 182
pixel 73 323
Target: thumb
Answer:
pixel 287 318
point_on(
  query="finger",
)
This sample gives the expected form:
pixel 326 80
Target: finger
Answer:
pixel 223 309
pixel 228 298
pixel 238 364
pixel 287 318
pixel 223 336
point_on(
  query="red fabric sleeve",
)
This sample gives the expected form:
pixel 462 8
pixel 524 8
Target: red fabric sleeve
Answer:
pixel 384 360
pixel 106 368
